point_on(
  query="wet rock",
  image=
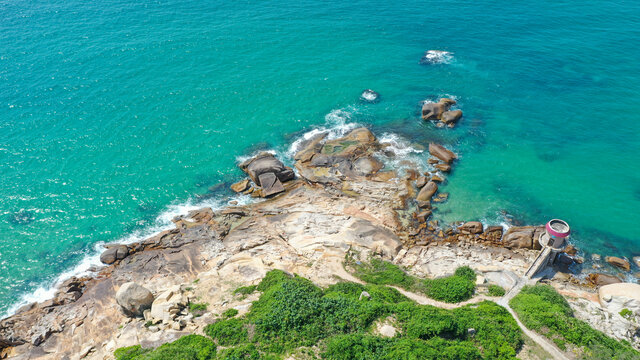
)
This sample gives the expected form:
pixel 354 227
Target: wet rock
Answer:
pixel 240 186
pixel 570 250
pixel 434 111
pixel 421 182
pixel 442 153
pixel 270 184
pixel 473 227
pixel 618 262
pixel 370 96
pixel 427 191
pixel 266 163
pixel 134 299
pixel 437 178
pixel 423 204
pixel 451 117
pixel 443 167
pixel 493 233
pixel 113 253
pixel 602 279
pixel 367 166
pixel 423 216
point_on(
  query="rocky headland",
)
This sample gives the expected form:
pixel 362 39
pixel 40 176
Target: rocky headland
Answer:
pixel 342 199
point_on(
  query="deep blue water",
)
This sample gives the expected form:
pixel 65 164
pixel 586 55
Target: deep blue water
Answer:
pixel 116 115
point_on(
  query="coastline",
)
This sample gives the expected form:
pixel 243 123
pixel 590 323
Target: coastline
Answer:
pixel 345 199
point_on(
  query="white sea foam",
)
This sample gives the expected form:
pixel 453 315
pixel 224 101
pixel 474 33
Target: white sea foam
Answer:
pixel 91 262
pixel 337 124
pixel 436 57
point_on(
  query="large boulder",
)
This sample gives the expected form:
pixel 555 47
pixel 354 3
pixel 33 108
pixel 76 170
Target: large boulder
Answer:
pixel 441 153
pixel 473 227
pixel 602 279
pixel 427 191
pixel 519 237
pixel 615 297
pixel 240 186
pixel 451 117
pixel 266 163
pixel 270 184
pixel 434 111
pixel 134 299
pixel 618 262
pixel 113 253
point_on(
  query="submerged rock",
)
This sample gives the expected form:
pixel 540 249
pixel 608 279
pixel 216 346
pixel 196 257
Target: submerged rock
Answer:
pixel 436 57
pixel 134 299
pixel 370 96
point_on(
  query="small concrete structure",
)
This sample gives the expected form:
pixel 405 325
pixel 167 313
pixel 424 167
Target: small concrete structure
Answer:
pixel 553 241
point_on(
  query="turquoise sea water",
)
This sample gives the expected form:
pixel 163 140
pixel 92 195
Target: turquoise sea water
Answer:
pixel 117 115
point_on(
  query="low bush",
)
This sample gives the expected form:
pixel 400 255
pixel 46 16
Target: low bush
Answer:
pixel 245 290
pixel 381 272
pixel 227 332
pixel 229 313
pixel 198 306
pixel 190 347
pixel 495 290
pixel 542 309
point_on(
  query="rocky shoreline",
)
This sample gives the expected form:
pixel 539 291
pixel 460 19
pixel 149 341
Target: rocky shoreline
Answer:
pixel 340 199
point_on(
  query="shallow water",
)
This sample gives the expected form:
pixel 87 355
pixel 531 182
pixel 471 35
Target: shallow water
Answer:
pixel 115 116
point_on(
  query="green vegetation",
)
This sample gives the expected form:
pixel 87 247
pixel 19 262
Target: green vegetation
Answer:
pixel 230 313
pixel 452 289
pixel 198 306
pixel 292 314
pixel 542 309
pixel 495 290
pixel 626 313
pixel 190 347
pixel 245 290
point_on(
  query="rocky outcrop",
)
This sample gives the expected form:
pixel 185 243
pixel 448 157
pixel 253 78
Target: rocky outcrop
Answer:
pixel 264 163
pixel 167 305
pixel 241 186
pixel 602 279
pixel 618 262
pixel 134 298
pixel 442 153
pixel 113 253
pixel 332 161
pixel 434 111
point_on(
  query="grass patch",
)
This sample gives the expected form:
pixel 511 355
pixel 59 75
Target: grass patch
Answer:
pixel 227 332
pixel 542 309
pixel 495 290
pixel 229 313
pixel 245 290
pixel 452 289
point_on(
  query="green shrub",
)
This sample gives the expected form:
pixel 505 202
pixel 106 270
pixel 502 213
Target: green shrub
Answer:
pixel 381 272
pixel 626 313
pixel 542 309
pixel 495 290
pixel 129 352
pixel 452 289
pixel 198 307
pixel 229 313
pixel 227 332
pixel 466 272
pixel 190 347
pixel 245 290
pixel 273 277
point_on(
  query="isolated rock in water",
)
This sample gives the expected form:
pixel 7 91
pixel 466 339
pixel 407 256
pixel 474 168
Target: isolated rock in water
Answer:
pixel 270 184
pixel 427 191
pixel 434 111
pixel 571 250
pixel 134 298
pixel 602 279
pixel 113 253
pixel 443 167
pixel 370 96
pixel 474 227
pixel 618 262
pixel 435 57
pixel 451 117
pixel 266 163
pixel 422 181
pixel 442 153
pixel 240 186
